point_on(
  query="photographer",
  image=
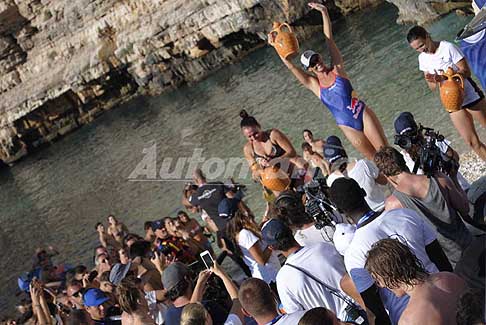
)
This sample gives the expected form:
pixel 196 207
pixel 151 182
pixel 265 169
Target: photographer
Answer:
pixel 179 285
pixel 209 196
pixel 312 276
pixel 289 208
pixel 409 137
pixel 172 246
pixel 443 205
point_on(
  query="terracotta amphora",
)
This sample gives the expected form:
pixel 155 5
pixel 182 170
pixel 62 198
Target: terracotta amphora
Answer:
pixel 283 39
pixel 452 91
pixel 275 179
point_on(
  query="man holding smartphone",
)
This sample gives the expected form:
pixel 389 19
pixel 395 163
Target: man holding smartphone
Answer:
pixel 208 196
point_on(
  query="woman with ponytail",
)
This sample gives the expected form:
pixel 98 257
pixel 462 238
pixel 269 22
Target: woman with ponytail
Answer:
pixel 267 148
pixel 363 171
pixel 246 236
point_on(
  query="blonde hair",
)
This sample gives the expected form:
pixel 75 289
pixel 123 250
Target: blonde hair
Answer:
pixel 194 314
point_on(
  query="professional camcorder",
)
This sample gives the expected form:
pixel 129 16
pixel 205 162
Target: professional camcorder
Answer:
pixel 317 204
pixel 429 158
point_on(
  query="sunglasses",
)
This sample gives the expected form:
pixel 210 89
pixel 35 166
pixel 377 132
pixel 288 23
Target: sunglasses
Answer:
pixel 314 60
pixel 77 294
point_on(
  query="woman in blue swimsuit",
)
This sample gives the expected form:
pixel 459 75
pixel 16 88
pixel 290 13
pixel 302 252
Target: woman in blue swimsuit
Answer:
pixel 331 84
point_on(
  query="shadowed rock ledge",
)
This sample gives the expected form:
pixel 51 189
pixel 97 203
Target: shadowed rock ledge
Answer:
pixel 63 62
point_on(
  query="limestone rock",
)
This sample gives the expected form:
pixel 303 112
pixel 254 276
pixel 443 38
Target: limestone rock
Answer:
pixel 423 11
pixel 83 55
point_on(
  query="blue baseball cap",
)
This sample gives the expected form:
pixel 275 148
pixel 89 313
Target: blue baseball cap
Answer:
pixel 25 279
pixel 94 297
pixel 273 230
pixel 405 123
pixel 333 149
pixel 158 224
pixel 119 272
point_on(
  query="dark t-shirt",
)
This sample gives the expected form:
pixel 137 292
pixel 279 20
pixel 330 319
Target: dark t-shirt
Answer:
pixel 107 321
pixel 218 314
pixel 208 198
pixel 173 315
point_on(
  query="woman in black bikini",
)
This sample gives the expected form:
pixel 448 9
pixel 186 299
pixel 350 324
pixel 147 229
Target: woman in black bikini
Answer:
pixel 267 148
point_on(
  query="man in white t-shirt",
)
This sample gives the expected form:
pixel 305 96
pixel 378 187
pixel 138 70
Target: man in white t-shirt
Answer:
pixel 291 210
pixel 412 142
pixel 362 171
pixel 436 56
pixel 372 226
pixel 298 290
pixel 257 301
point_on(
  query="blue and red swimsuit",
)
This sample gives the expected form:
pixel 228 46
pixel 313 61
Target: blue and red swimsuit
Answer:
pixel 346 108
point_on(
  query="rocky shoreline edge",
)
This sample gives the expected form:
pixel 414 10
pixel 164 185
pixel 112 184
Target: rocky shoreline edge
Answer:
pixel 62 64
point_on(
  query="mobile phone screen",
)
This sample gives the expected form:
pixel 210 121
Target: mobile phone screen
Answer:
pixel 207 259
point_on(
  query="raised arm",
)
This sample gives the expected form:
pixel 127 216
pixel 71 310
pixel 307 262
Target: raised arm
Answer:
pixel 232 291
pixel 198 292
pixel 336 57
pixel 305 79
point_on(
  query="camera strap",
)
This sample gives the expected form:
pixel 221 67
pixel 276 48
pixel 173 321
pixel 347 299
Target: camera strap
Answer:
pixel 416 167
pixel 332 290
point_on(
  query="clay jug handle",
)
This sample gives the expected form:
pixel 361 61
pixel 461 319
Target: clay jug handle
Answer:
pixel 285 25
pixel 461 78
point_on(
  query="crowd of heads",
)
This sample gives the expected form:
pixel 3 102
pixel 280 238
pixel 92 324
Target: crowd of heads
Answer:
pixel 139 277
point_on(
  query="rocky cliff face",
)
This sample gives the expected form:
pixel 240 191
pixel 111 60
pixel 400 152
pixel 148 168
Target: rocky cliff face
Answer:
pixel 62 62
pixel 423 11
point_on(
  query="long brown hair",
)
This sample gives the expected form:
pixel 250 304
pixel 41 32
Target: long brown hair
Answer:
pixel 239 222
pixel 394 263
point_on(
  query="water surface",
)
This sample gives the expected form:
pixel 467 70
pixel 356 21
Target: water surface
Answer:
pixel 57 195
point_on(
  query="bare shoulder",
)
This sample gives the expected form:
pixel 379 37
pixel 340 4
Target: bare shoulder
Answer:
pixel 247 148
pixel 420 313
pixel 448 282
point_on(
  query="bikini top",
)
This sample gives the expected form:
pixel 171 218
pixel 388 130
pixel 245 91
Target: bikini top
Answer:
pixel 277 151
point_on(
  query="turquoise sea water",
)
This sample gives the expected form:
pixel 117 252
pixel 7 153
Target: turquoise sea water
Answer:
pixel 57 195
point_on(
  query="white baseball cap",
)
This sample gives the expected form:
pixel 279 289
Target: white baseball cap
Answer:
pixel 343 235
pixel 306 57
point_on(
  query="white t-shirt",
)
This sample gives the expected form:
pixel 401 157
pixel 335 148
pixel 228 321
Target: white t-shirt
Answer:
pixel 312 235
pixel 407 226
pixel 233 319
pixel 286 319
pixel 298 291
pixel 267 272
pixel 447 55
pixel 365 173
pixel 157 310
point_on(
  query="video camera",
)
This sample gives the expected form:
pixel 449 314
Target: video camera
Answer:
pixel 317 204
pixel 430 158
